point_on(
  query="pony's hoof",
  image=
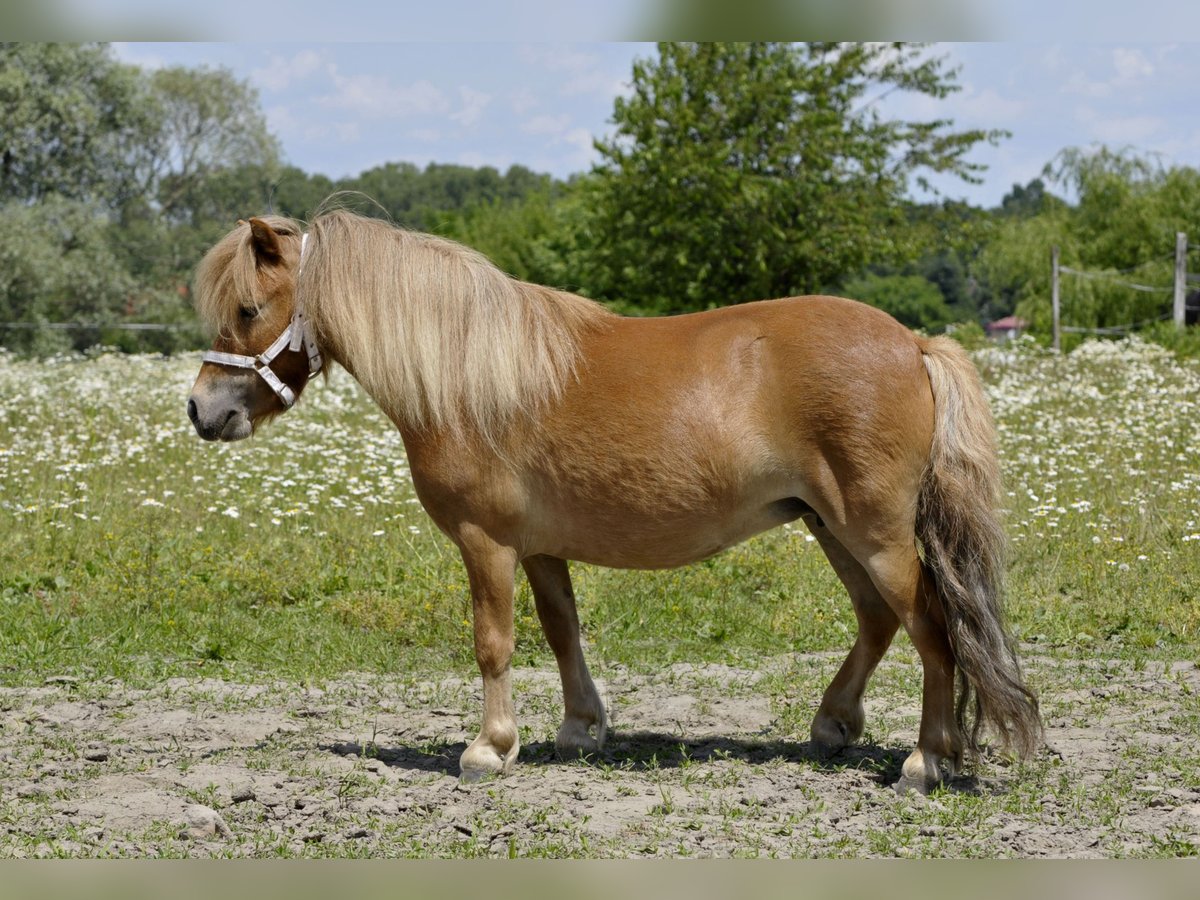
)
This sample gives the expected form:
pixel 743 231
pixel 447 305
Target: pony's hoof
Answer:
pixel 575 740
pixel 480 762
pixel 474 776
pixel 829 736
pixel 918 785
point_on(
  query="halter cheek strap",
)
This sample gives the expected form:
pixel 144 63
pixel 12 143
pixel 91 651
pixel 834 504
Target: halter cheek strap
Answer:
pixel 298 332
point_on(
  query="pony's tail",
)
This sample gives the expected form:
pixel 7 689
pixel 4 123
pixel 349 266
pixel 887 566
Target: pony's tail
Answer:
pixel 963 542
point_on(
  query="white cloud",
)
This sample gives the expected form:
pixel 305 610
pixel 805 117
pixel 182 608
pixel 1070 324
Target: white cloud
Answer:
pixel 1131 65
pixel 1122 130
pixel 373 95
pixel 306 128
pixel 477 159
pixel 522 101
pixel 546 124
pixel 281 72
pixel 558 57
pixel 1079 83
pixel 1054 59
pixel 581 140
pixel 580 72
pixel 474 102
pixel 992 107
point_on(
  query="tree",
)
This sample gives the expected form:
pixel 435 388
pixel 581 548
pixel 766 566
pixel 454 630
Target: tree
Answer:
pixel 419 199
pixel 1121 229
pixel 210 123
pixel 913 300
pixel 753 170
pixel 72 120
pixel 531 237
pixel 56 266
pixel 1027 201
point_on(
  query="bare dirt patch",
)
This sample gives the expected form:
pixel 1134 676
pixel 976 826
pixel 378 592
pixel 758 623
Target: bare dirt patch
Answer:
pixel 703 760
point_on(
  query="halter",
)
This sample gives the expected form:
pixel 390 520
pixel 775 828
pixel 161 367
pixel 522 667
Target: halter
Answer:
pixel 297 332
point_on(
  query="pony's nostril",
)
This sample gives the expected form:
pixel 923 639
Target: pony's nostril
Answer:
pixel 192 410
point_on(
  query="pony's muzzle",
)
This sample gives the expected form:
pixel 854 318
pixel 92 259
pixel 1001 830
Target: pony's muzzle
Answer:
pixel 217 421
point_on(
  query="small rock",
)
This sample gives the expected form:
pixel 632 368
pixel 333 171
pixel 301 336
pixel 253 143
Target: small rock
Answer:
pixel 61 679
pixel 313 837
pixel 204 824
pixel 355 833
pixel 96 754
pixel 241 793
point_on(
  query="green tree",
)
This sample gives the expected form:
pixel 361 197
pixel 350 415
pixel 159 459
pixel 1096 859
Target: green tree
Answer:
pixel 210 124
pixel 73 121
pixel 113 183
pixel 753 170
pixel 56 266
pixel 913 300
pixel 532 237
pixel 1121 230
pixel 421 199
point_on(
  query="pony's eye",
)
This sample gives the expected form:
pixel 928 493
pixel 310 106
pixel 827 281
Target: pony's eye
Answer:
pixel 247 313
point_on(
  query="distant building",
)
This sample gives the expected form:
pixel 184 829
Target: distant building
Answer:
pixel 1007 328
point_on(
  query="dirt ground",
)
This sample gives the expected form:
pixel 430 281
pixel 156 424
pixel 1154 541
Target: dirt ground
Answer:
pixel 702 761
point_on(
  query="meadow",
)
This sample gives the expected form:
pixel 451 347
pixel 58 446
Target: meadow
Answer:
pixel 137 560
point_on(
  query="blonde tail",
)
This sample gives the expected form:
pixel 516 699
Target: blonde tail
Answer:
pixel 964 548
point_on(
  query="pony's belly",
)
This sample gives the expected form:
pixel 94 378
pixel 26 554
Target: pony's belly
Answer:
pixel 637 543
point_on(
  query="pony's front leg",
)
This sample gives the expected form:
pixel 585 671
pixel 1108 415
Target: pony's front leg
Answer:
pixel 490 569
pixel 550 581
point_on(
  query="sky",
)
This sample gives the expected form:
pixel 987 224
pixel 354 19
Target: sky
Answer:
pixel 341 108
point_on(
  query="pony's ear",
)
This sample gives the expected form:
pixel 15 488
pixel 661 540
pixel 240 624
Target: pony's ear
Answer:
pixel 265 242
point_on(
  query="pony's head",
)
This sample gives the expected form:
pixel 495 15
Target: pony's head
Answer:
pixel 264 353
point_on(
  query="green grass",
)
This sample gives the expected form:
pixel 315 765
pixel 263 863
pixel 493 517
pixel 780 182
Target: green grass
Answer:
pixel 134 550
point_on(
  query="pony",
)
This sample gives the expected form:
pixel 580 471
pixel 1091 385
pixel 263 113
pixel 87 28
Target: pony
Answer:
pixel 541 428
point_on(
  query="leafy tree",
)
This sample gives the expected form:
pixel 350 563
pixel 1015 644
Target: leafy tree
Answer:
pixel 113 183
pixel 915 301
pixel 532 237
pixel 752 170
pixel 56 265
pixel 1121 229
pixel 73 120
pixel 210 124
pixel 1027 201
pixel 418 199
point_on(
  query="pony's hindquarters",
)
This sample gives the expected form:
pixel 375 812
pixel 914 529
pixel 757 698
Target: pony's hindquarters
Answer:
pixel 963 544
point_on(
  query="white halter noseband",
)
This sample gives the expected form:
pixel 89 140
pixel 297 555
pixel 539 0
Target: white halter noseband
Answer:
pixel 297 332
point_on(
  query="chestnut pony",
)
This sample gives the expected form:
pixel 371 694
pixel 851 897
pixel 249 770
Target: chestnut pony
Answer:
pixel 542 428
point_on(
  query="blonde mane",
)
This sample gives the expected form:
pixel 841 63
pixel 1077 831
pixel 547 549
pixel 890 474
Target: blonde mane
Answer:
pixel 435 333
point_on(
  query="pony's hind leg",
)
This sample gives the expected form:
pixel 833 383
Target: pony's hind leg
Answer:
pixel 550 581
pixel 910 591
pixel 840 718
pixel 490 569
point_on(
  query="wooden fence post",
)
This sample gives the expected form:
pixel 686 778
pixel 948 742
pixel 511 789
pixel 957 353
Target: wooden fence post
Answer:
pixel 1054 294
pixel 1180 277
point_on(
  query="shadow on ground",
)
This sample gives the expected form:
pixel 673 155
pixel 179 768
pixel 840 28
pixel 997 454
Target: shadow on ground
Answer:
pixel 647 750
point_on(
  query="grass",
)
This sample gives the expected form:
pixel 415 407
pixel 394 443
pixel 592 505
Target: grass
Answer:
pixel 135 553
pixel 138 552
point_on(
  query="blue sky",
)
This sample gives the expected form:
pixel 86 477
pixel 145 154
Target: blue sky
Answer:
pixel 340 108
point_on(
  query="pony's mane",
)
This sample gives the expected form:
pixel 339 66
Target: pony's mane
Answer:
pixel 435 333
